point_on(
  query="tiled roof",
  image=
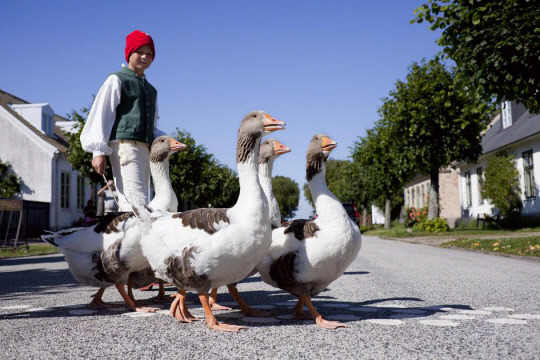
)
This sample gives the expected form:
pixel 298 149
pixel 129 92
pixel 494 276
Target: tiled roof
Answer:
pixel 526 125
pixel 60 142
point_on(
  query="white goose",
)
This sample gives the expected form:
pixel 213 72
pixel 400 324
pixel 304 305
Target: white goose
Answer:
pixel 269 150
pixel 307 255
pixel 105 254
pixel 205 248
pixel 165 199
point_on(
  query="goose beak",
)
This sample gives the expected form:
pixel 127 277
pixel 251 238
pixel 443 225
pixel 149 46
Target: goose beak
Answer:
pixel 328 144
pixel 271 124
pixel 279 148
pixel 176 145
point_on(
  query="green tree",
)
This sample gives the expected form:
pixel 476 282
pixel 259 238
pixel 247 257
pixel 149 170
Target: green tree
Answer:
pixel 198 178
pixel 384 168
pixel 79 159
pixel 494 43
pixel 436 118
pixel 287 195
pixel 334 180
pixel 501 184
pixel 10 184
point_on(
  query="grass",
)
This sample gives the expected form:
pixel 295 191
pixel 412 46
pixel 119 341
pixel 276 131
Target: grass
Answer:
pixel 524 246
pixel 35 249
pixel 402 232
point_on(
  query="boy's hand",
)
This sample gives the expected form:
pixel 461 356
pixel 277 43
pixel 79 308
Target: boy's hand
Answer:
pixel 99 164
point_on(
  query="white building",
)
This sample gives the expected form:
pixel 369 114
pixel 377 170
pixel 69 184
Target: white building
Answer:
pixel 514 130
pixel 54 194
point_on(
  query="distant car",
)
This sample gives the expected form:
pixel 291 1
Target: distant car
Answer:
pixel 352 211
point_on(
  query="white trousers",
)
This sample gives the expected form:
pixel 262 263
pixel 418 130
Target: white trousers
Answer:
pixel 130 161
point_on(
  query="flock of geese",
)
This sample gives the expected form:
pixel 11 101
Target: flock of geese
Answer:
pixel 202 249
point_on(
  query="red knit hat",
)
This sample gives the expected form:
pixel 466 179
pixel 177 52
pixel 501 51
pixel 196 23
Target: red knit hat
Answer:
pixel 137 39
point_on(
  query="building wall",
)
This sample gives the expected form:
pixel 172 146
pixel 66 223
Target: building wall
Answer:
pixel 30 161
pixel 530 206
pixel 449 196
pixel 416 193
pixel 65 217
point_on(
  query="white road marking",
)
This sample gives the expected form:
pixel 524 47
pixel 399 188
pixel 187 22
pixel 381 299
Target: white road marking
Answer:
pixel 138 314
pixel 457 317
pixel 475 312
pixel 231 315
pixel 15 307
pixel 526 316
pixel 40 309
pixel 497 308
pixel 439 323
pixel 507 321
pixel 392 322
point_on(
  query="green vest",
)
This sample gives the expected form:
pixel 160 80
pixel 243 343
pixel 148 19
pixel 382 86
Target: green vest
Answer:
pixel 137 108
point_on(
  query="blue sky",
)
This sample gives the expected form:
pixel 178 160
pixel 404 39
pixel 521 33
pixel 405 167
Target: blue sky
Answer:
pixel 321 66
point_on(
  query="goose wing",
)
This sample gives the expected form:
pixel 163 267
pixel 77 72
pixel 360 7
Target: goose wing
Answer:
pixel 209 220
pixel 301 228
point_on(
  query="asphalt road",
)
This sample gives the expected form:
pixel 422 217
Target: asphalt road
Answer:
pixel 400 300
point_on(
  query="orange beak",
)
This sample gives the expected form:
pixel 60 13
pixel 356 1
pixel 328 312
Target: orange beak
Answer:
pixel 176 145
pixel 328 144
pixel 279 148
pixel 271 124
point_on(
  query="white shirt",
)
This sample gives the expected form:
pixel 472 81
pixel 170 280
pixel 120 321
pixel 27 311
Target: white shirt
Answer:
pixel 97 129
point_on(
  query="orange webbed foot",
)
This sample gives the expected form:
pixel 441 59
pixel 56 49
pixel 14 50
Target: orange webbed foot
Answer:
pixel 332 325
pixel 226 327
pixel 216 306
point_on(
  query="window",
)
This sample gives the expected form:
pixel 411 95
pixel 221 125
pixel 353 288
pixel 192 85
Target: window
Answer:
pixel 412 197
pixel 479 179
pixel 417 197
pixel 408 197
pixel 80 192
pixel 64 190
pixel 423 196
pixel 468 190
pixel 506 114
pixel 528 173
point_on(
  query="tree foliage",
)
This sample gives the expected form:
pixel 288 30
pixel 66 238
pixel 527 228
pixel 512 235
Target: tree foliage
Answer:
pixel 197 177
pixel 501 184
pixel 79 159
pixel 384 168
pixel 287 195
pixel 435 118
pixel 10 184
pixel 494 43
pixel 335 180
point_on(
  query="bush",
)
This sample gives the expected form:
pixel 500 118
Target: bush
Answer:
pixel 518 221
pixel 465 223
pixel 433 225
pixel 414 216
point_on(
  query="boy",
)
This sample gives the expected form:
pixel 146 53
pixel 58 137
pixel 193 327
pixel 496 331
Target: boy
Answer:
pixel 122 122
